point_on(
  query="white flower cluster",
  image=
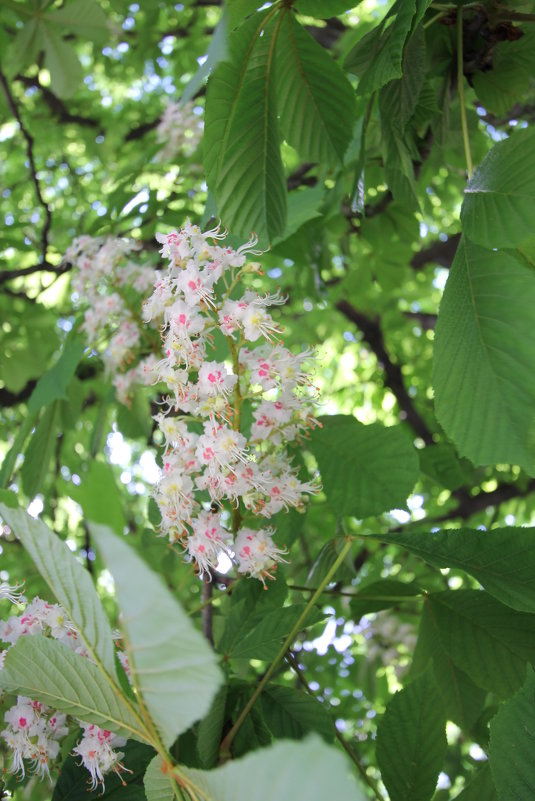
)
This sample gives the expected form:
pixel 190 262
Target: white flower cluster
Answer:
pixel 110 284
pixel 179 130
pixel 34 730
pixel 210 455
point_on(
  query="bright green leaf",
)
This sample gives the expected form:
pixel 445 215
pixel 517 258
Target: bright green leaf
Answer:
pixel 68 582
pixel 511 745
pixel 366 469
pixel 174 667
pixel 287 771
pixel 242 148
pixel 484 365
pixel 499 200
pixel 323 9
pixel 294 714
pixel 99 496
pixel 50 672
pixel 84 18
pixel 158 786
pixel 502 559
pixel 10 459
pixel 311 90
pixel 411 741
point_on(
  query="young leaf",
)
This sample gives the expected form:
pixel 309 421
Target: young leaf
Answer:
pixel 502 559
pixel 499 200
pixel 484 365
pixel 487 640
pixel 242 148
pixel 287 771
pixel 48 671
pixel 68 581
pixel 174 667
pixel 511 745
pixel 366 469
pixel 411 741
pixel 311 90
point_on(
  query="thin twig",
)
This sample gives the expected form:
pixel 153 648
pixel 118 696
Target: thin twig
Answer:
pixel 33 170
pixel 206 612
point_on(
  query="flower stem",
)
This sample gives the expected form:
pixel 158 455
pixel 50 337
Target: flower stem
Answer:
pixel 224 751
pixel 460 89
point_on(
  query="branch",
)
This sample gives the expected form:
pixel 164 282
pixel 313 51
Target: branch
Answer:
pixel 469 505
pixel 44 266
pixel 57 106
pixel 33 170
pixel 439 252
pixel 393 377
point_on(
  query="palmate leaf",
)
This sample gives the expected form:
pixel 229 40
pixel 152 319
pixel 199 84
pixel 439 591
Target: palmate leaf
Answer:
pixel 174 667
pixel 502 559
pixel 366 469
pixel 242 144
pixel 512 739
pixel 294 714
pixel 499 200
pixel 68 582
pixel 316 101
pixel 489 641
pixel 484 362
pixel 411 741
pixel 48 671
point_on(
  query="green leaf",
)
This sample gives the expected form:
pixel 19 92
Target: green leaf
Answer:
pixel 40 451
pixel 99 496
pixel 325 560
pixel 84 18
pixel 382 594
pixel 174 667
pixel 286 771
pixel 323 9
pixel 311 90
pixel 62 62
pixel 253 733
pixel 399 168
pixel 489 641
pixel 378 56
pixel 8 464
pixel 462 699
pixel 366 469
pixel 242 150
pixel 48 671
pixel 499 200
pixel 238 10
pixel 294 714
pixel 252 634
pixel 303 205
pixel 68 582
pixel 484 365
pixel 441 463
pixel 502 559
pixel 72 784
pixel 511 745
pixel 157 782
pixel 398 99
pixel 481 787
pixel 411 741
pixel 53 384
pixel 210 730
pixel 217 52
pixel 24 48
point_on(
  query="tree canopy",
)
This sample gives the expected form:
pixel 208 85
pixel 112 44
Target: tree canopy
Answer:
pixel 267 398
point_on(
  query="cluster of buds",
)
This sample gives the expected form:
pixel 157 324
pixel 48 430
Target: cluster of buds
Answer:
pixel 110 285
pixel 34 731
pixel 179 130
pixel 223 469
